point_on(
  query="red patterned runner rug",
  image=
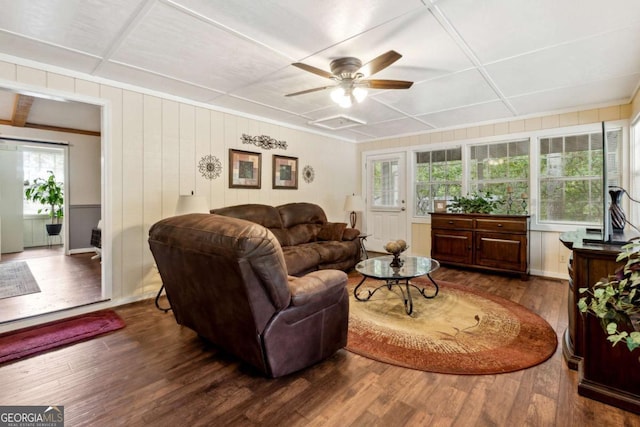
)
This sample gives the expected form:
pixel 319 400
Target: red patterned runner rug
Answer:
pixel 40 338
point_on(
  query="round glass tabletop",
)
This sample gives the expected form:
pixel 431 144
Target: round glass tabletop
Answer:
pixel 380 267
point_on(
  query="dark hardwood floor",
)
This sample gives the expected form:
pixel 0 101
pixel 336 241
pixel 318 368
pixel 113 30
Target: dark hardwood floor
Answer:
pixel 64 281
pixel 154 372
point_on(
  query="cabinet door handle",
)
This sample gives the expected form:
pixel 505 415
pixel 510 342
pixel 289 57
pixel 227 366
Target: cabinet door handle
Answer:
pixel 499 225
pixel 450 222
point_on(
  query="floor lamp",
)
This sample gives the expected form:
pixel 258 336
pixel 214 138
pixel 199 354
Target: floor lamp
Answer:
pixel 353 204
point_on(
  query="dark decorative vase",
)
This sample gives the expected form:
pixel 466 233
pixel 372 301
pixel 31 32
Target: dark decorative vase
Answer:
pixel 618 218
pixel 53 229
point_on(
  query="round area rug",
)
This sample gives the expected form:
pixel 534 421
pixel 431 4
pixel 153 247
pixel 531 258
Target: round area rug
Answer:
pixel 460 331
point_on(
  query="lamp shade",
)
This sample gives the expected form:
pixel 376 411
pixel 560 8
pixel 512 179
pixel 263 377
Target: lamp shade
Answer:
pixel 353 203
pixel 191 204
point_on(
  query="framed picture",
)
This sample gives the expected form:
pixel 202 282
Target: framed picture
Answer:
pixel 285 172
pixel 245 169
pixel 440 205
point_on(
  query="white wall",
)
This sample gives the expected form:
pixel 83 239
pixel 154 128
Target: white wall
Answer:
pixel 152 145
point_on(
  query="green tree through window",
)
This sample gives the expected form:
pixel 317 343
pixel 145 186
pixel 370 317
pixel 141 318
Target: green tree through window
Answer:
pixel 570 177
pixel 500 168
pixel 438 176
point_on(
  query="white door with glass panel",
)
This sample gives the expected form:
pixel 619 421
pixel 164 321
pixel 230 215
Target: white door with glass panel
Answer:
pixel 386 200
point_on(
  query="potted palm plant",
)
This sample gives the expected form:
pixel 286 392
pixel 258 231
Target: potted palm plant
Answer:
pixel 49 193
pixel 616 300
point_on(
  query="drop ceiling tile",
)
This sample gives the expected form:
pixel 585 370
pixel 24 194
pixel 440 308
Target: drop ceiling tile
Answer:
pixel 472 114
pixel 181 46
pixel 451 91
pixel 272 90
pixel 150 81
pixel 47 54
pixel 612 91
pixel 242 105
pixel 394 127
pixel 301 27
pixel 613 54
pixel 78 24
pixel 497 29
pixel 427 49
pixel 368 111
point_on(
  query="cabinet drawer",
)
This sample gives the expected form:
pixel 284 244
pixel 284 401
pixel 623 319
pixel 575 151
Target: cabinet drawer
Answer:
pixel 452 223
pixel 501 225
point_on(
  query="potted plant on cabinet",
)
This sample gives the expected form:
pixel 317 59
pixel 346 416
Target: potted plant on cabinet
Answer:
pixel 616 300
pixel 475 203
pixel 49 193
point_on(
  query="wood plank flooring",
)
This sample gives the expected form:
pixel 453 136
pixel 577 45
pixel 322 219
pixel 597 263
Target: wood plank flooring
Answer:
pixel 64 281
pixel 154 372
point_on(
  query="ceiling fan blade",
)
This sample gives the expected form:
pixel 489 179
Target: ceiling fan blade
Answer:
pixel 387 84
pixel 313 70
pixel 380 63
pixel 302 92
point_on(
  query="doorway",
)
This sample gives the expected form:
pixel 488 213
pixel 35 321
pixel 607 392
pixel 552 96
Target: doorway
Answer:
pixel 386 194
pixel 63 267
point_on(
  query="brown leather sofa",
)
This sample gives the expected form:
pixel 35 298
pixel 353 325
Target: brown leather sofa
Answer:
pixel 226 279
pixel 309 242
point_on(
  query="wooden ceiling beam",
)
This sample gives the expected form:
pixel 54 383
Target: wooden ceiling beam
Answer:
pixel 53 128
pixel 21 108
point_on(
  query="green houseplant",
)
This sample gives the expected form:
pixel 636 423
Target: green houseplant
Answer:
pixel 475 203
pixel 616 300
pixel 49 193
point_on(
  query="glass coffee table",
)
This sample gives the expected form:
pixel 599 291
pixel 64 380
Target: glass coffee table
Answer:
pixel 380 268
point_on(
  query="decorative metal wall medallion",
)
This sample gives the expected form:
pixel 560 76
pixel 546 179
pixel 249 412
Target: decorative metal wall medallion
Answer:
pixel 210 167
pixel 308 174
pixel 264 141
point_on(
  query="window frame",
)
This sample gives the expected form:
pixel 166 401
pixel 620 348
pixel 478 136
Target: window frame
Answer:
pixel 516 195
pixel 414 167
pixel 533 136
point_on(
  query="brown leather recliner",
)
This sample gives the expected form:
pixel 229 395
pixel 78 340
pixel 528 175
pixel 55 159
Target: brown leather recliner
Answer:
pixel 226 279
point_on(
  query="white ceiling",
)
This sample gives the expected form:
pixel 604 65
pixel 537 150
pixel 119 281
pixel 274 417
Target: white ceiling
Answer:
pixel 472 61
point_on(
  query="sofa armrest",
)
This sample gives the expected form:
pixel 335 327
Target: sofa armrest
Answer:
pixel 350 234
pixel 316 286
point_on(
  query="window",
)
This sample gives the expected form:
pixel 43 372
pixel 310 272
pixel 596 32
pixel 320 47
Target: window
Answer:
pixel 36 163
pixel 570 179
pixel 385 192
pixel 502 169
pixel 438 176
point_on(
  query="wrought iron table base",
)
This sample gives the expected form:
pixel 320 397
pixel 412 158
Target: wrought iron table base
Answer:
pixel 406 286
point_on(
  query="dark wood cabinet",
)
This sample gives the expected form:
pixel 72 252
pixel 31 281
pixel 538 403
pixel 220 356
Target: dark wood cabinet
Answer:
pixel 491 242
pixel 608 374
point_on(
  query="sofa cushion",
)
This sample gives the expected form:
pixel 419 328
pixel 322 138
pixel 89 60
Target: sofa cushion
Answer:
pixel 265 215
pixel 302 233
pixel 301 213
pixel 334 251
pixel 301 259
pixel 331 231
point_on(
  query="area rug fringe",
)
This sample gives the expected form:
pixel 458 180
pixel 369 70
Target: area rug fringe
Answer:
pixel 40 338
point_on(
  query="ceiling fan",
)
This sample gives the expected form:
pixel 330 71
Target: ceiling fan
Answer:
pixel 350 75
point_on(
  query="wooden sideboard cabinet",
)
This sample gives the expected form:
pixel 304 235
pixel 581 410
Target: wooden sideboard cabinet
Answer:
pixel 606 373
pixel 485 241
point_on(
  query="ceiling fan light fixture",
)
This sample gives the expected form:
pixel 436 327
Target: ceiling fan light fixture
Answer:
pixel 349 96
pixel 360 93
pixel 338 94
